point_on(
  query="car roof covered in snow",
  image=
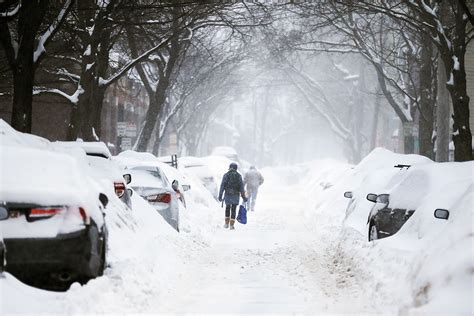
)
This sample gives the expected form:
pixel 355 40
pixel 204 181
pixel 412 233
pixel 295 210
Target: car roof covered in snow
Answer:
pixel 91 148
pixel 144 156
pixel 40 176
pixel 225 151
pixel 190 161
pixel 9 136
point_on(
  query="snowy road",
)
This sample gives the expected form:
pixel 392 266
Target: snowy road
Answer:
pixel 274 264
pixel 282 261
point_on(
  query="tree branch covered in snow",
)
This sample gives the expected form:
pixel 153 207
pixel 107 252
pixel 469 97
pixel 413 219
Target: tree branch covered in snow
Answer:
pixel 72 99
pixel 12 12
pixel 52 29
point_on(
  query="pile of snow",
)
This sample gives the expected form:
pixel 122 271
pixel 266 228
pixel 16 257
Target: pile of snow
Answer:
pixel 428 265
pixel 144 255
pixel 224 151
pixel 91 148
pixel 199 218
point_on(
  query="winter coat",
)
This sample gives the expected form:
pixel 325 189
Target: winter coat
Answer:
pixel 230 196
pixel 253 179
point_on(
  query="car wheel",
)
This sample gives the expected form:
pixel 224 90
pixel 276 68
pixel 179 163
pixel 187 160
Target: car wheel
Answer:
pixel 373 232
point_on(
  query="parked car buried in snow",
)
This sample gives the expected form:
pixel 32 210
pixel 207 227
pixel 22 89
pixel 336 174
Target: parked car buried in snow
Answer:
pixel 199 168
pixel 383 220
pixel 55 227
pixel 150 182
pixel 402 196
pixel 104 168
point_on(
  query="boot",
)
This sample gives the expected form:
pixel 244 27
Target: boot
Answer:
pixel 232 221
pixel 226 225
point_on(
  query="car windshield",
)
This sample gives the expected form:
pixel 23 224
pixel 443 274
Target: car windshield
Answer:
pixel 147 176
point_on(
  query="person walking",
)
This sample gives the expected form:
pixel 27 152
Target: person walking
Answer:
pixel 231 187
pixel 253 179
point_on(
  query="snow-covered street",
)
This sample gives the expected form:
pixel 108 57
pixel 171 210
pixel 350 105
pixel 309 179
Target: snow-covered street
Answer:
pixel 298 253
pixel 251 157
pixel 266 266
pixel 277 263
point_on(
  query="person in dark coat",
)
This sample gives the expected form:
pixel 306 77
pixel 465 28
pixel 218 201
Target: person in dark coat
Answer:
pixel 232 187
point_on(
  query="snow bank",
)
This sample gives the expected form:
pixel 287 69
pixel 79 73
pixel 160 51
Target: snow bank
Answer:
pixel 428 265
pixel 144 254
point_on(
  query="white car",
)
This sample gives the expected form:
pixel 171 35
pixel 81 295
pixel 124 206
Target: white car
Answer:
pixel 151 182
pixel 225 151
pixel 105 170
pixel 55 225
pixel 199 168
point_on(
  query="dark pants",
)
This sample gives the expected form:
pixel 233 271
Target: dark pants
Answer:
pixel 230 208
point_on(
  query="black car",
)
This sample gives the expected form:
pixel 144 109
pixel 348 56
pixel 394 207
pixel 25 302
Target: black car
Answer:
pixel 63 258
pixel 55 232
pixel 384 221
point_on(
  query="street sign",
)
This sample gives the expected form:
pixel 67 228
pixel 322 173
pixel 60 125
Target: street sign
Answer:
pixel 126 143
pixel 121 129
pixel 131 130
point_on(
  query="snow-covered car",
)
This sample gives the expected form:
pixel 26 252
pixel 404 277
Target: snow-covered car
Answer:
pixel 105 170
pixel 151 183
pixel 404 194
pixel 178 180
pixel 199 168
pixel 225 151
pixel 55 226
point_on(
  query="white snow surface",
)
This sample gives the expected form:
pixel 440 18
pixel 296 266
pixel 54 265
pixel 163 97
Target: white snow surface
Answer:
pixel 33 171
pixel 300 252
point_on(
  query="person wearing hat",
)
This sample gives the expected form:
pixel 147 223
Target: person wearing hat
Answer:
pixel 232 187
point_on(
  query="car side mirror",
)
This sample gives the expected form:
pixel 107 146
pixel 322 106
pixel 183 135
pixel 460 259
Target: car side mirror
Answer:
pixel 3 213
pixel 186 187
pixel 103 199
pixel 175 185
pixel 441 213
pixel 383 198
pixel 130 192
pixel 127 177
pixel 372 197
pixel 348 194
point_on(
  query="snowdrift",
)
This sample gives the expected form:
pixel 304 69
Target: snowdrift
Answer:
pixel 428 266
pixel 144 253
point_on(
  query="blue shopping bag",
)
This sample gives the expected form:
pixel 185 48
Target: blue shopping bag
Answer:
pixel 242 216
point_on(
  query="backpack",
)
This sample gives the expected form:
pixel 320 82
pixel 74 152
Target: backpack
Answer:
pixel 233 182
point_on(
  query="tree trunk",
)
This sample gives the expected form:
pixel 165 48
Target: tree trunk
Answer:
pixel 442 116
pixel 425 123
pixel 375 120
pixel 23 77
pixel 31 16
pixel 456 72
pixel 154 109
pixel 462 136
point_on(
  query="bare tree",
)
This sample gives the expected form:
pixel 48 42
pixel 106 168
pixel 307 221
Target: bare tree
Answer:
pixel 26 28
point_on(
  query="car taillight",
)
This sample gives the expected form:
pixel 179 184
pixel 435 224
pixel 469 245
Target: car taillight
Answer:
pixel 83 214
pixel 163 198
pixel 119 189
pixel 45 212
